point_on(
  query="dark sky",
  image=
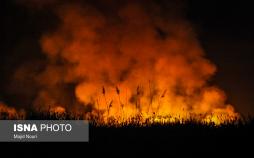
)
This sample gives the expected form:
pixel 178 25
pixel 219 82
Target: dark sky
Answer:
pixel 225 30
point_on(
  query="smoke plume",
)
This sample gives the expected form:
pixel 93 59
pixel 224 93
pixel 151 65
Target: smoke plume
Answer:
pixel 126 58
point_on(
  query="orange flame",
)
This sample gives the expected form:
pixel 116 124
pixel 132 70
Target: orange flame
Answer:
pixel 10 113
pixel 134 61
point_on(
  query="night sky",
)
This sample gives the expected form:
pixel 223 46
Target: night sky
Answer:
pixel 226 32
pixel 224 29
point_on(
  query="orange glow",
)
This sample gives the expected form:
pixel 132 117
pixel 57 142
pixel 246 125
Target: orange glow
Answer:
pixel 10 113
pixel 57 110
pixel 132 63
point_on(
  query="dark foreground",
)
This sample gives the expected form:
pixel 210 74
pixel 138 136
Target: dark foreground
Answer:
pixel 177 139
pixel 189 139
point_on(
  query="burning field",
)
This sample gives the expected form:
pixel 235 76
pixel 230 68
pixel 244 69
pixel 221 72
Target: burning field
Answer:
pixel 117 63
pixel 152 77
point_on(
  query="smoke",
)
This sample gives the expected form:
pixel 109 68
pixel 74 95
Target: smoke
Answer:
pixel 126 58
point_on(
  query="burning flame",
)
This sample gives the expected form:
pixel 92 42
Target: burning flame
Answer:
pixel 10 113
pixel 130 60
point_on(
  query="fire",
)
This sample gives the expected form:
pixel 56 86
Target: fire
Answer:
pixel 129 60
pixel 57 110
pixel 10 113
